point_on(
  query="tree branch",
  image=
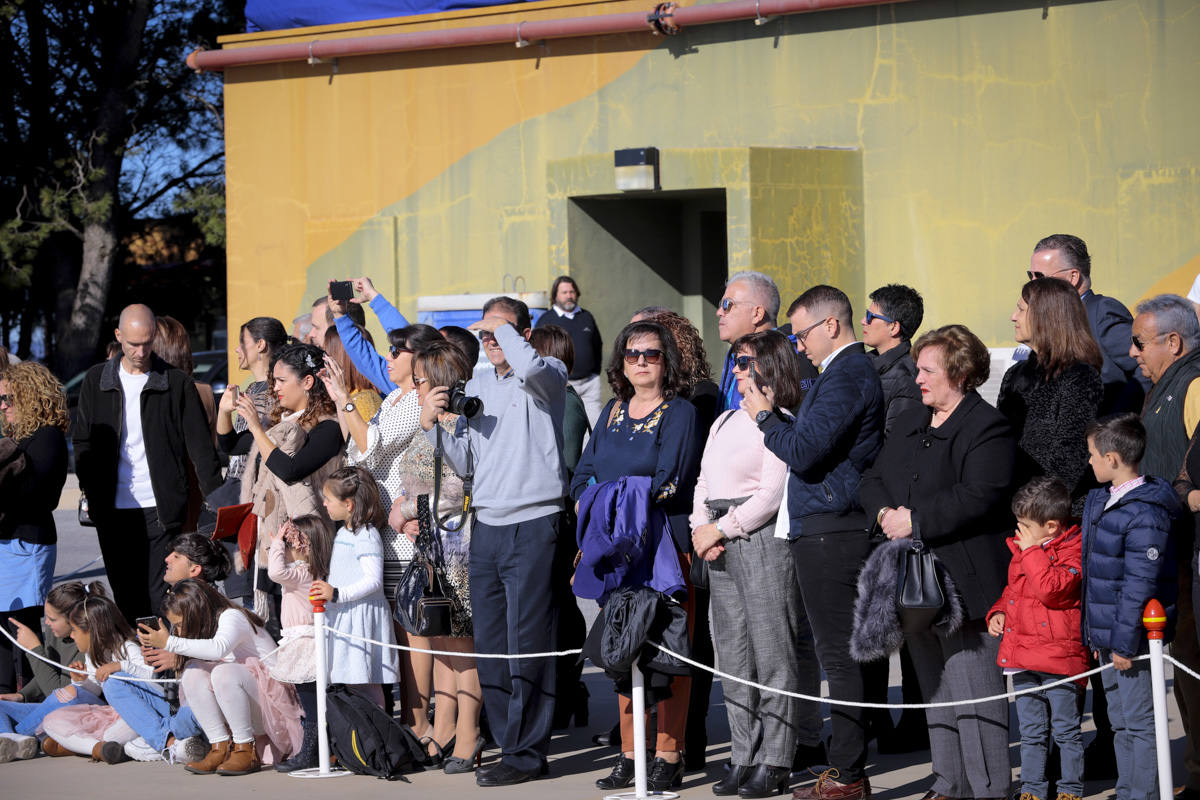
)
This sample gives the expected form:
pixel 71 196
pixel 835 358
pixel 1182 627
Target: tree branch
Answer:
pixel 178 180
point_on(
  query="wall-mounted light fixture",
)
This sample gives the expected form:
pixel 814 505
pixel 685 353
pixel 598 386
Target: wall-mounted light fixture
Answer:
pixel 636 169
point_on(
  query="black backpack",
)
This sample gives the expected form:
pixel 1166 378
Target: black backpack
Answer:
pixel 366 740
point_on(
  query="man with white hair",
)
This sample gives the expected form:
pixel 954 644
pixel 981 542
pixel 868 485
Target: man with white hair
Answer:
pixel 750 304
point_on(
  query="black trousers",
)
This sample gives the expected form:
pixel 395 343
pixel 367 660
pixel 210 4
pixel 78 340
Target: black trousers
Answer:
pixel 513 611
pixel 827 568
pixel 135 549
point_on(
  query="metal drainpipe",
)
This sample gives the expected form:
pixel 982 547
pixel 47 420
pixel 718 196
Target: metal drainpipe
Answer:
pixel 664 18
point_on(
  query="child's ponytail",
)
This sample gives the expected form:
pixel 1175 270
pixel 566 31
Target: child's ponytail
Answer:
pixel 100 618
pixel 358 485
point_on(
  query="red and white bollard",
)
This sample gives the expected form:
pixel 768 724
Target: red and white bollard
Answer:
pixel 322 769
pixel 1154 618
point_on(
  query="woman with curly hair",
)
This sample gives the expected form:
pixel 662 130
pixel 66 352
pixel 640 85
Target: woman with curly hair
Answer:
pixel 648 430
pixel 287 464
pixel 698 386
pixel 33 469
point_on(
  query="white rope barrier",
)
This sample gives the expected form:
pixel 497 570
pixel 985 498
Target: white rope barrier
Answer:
pixel 1180 667
pixel 90 673
pixel 352 638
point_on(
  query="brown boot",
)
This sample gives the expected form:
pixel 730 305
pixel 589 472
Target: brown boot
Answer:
pixel 217 754
pixel 242 760
pixel 53 748
pixel 109 753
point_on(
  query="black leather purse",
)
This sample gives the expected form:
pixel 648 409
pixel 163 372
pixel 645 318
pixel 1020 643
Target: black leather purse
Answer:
pixel 422 605
pixel 920 596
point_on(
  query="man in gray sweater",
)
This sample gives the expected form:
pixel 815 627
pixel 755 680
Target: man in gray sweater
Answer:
pixel 514 448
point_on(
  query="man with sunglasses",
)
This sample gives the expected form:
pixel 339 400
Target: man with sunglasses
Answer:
pixel 750 305
pixel 832 440
pixel 519 483
pixel 892 318
pixel 1066 258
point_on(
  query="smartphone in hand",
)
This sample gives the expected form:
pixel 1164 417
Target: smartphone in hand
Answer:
pixel 341 291
pixel 754 377
pixel 149 622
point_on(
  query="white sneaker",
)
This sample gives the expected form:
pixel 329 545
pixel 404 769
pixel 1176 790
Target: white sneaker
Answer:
pixel 191 749
pixel 27 746
pixel 140 750
pixel 8 750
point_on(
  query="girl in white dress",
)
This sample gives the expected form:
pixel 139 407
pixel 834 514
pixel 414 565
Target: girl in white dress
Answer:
pixel 354 589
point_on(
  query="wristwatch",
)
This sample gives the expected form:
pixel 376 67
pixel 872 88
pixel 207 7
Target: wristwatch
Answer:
pixel 334 599
pixel 348 407
pixel 721 530
pixel 762 416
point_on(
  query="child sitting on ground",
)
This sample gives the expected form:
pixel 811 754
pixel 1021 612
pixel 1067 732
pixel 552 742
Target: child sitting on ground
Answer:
pixel 1038 615
pixel 1129 558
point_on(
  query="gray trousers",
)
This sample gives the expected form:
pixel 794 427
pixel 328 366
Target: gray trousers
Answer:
pixel 760 632
pixel 968 743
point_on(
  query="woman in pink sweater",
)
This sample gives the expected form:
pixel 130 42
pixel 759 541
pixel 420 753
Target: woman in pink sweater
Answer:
pixel 758 623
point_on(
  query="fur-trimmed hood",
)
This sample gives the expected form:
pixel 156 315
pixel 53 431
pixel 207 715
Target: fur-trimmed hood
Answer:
pixel 877 633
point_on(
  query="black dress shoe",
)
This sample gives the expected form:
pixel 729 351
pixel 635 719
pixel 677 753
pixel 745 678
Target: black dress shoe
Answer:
pixel 502 774
pixel 664 775
pixel 620 777
pixel 729 785
pixel 765 781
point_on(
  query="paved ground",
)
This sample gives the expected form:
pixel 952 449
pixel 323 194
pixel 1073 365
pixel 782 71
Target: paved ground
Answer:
pixel 575 762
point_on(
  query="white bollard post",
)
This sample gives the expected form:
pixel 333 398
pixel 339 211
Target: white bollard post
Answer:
pixel 639 732
pixel 1154 618
pixel 322 668
pixel 322 685
pixel 638 696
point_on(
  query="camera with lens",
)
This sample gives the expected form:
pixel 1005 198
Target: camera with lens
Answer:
pixel 464 404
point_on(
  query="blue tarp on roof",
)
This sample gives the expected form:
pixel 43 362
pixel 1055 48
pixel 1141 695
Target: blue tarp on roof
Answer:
pixel 273 15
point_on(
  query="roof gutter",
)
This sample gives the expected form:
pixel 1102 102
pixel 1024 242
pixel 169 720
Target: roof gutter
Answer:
pixel 665 19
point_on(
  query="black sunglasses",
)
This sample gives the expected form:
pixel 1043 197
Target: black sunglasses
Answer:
pixel 6 399
pixel 396 351
pixel 744 362
pixel 872 316
pixel 652 356
pixel 1138 343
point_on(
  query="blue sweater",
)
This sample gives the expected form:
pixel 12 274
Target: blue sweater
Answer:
pixel 1128 558
pixel 362 355
pixel 837 432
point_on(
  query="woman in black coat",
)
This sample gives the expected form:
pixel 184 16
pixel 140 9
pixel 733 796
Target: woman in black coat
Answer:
pixel 1052 396
pixel 945 475
pixel 33 417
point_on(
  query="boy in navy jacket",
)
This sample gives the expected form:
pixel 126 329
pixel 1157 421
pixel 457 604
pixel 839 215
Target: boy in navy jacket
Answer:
pixel 1128 559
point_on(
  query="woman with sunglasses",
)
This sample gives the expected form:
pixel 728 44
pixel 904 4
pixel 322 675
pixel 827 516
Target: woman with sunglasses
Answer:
pixel 647 429
pixel 755 605
pixel 33 418
pixel 1050 397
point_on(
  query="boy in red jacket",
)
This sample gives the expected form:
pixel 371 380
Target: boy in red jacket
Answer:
pixel 1039 617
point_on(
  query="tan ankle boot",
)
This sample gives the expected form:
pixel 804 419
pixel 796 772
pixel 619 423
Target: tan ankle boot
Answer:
pixel 53 748
pixel 215 758
pixel 242 760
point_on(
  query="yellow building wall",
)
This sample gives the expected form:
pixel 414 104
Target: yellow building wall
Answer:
pixel 980 128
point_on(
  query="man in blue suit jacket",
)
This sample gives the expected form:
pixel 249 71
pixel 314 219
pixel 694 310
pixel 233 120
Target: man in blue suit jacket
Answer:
pixel 834 438
pixel 1066 257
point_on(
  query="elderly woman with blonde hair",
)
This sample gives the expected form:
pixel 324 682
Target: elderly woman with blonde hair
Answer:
pixel 33 469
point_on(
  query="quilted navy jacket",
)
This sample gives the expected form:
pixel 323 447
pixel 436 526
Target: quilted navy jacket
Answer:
pixel 1128 558
pixel 834 438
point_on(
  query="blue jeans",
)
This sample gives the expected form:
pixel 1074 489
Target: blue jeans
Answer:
pixel 26 718
pixel 149 713
pixel 1131 711
pixel 1053 712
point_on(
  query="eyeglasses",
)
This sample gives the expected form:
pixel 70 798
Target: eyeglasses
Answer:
pixel 872 316
pixel 1139 344
pixel 487 336
pixel 652 356
pixel 418 381
pixel 744 362
pixel 396 351
pixel 6 400
pixel 1037 276
pixel 802 335
pixel 727 304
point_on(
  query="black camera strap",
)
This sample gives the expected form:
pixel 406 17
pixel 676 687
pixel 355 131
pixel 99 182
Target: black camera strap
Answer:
pixel 468 481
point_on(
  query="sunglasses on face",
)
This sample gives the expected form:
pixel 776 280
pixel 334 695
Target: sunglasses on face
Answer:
pixel 6 400
pixel 418 381
pixel 652 356
pixel 727 304
pixel 872 316
pixel 396 351
pixel 1037 276
pixel 1139 344
pixel 744 362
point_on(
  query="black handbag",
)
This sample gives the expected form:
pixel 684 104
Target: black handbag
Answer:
pixel 920 596
pixel 422 606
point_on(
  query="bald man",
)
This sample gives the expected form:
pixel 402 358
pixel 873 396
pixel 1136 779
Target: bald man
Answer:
pixel 139 426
